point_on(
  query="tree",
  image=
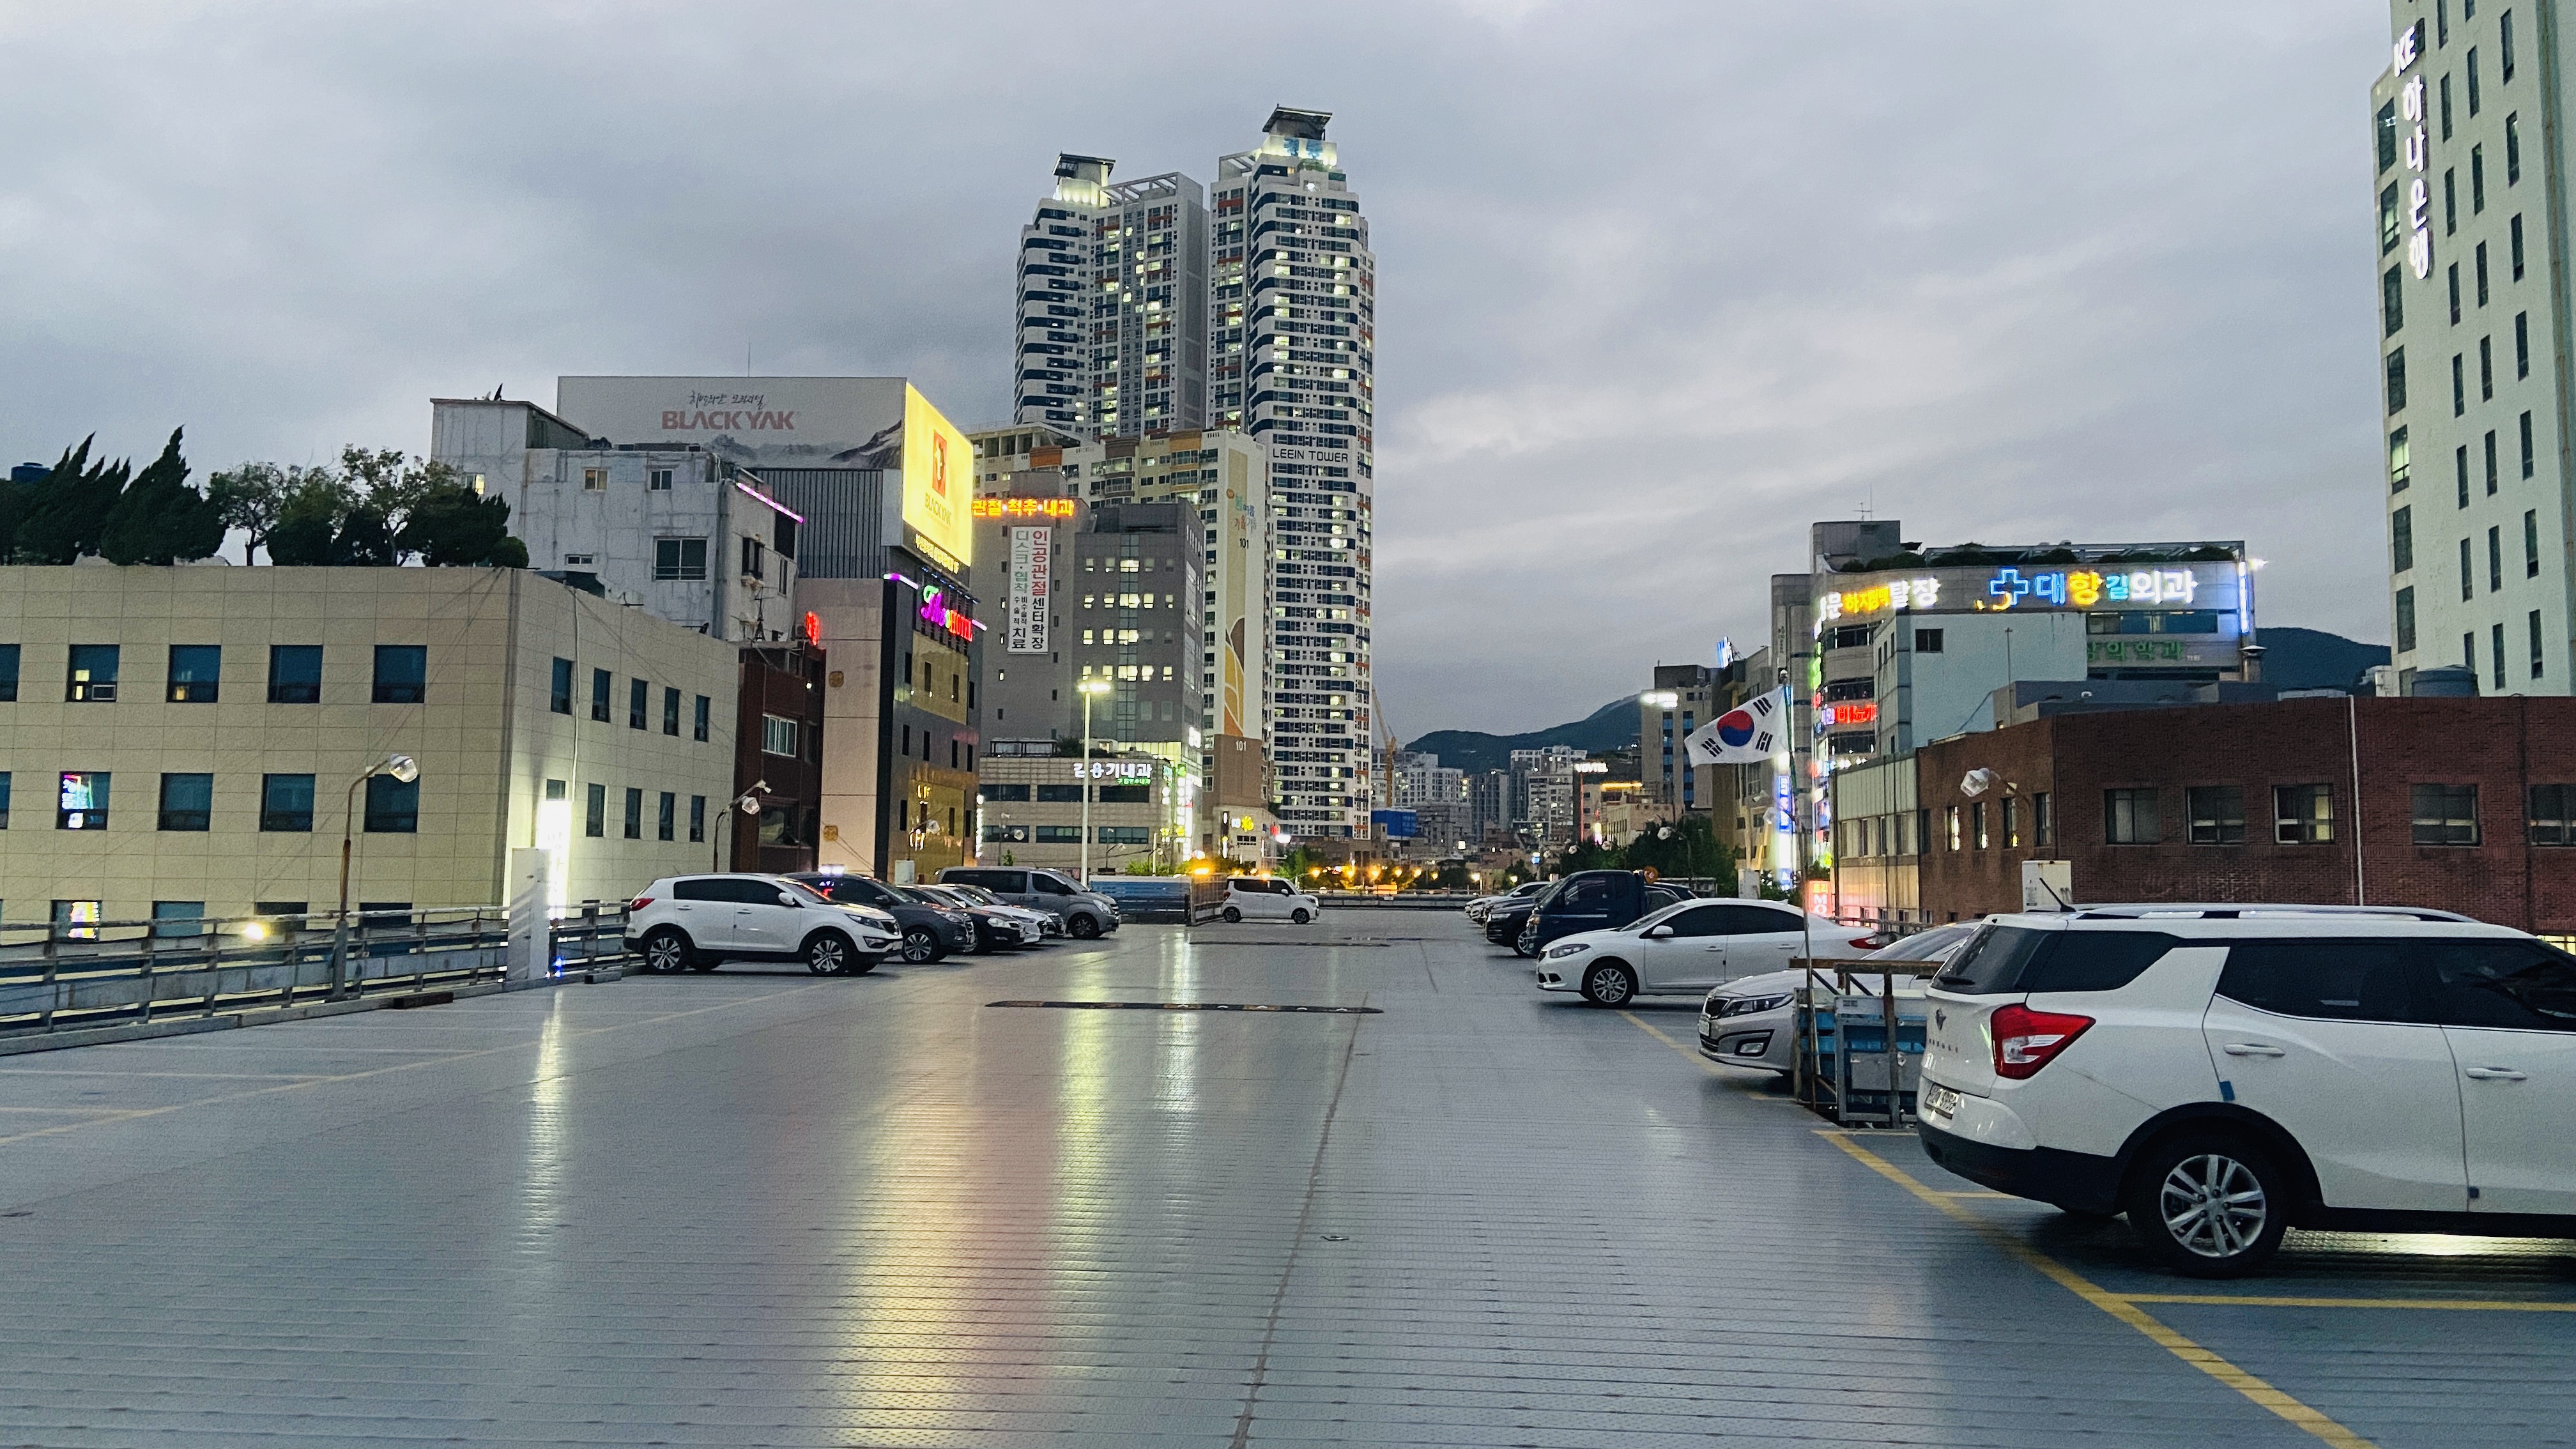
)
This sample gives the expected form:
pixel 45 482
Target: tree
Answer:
pixel 67 508
pixel 254 497
pixel 160 519
pixel 376 511
pixel 450 524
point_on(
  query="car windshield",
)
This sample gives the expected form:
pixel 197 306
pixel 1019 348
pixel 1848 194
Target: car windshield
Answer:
pixel 977 894
pixel 804 889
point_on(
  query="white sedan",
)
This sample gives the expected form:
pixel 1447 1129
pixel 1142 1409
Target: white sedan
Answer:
pixel 1691 947
pixel 1268 898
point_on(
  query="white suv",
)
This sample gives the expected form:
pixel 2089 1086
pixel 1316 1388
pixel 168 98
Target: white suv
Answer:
pixel 2220 1073
pixel 698 921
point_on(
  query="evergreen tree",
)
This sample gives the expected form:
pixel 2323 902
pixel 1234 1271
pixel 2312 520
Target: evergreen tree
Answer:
pixel 160 519
pixel 450 524
pixel 68 507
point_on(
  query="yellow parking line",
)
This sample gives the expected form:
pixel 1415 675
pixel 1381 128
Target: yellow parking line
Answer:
pixel 2119 1307
pixel 2457 1305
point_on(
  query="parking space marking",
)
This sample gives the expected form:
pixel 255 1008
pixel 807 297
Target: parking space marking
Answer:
pixel 1695 1059
pixel 2448 1305
pixel 2121 1307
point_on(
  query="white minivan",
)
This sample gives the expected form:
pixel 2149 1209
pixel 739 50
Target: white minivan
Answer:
pixel 2220 1073
pixel 1268 898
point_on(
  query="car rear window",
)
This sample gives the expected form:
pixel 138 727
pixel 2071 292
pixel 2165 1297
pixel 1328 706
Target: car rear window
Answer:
pixel 2005 959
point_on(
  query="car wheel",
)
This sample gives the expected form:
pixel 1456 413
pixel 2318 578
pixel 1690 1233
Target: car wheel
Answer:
pixel 2209 1206
pixel 1233 917
pixel 921 946
pixel 828 953
pixel 666 950
pixel 1607 983
pixel 1300 916
pixel 1084 928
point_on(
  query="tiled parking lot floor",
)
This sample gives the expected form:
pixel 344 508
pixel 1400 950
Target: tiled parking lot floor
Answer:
pixel 759 1208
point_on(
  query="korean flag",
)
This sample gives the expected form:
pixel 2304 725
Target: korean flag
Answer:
pixel 1751 732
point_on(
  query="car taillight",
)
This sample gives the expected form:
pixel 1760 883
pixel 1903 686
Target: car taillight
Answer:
pixel 2026 1040
pixel 639 903
pixel 1863 943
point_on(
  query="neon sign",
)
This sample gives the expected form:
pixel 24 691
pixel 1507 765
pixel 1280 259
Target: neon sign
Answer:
pixel 935 610
pixel 1922 593
pixel 1022 508
pixel 2082 588
pixel 1864 712
pixel 1115 770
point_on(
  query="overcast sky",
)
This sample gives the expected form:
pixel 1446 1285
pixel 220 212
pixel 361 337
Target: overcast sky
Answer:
pixel 1658 283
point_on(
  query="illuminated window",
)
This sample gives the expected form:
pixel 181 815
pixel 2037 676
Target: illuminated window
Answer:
pixel 93 674
pixel 196 672
pixel 82 800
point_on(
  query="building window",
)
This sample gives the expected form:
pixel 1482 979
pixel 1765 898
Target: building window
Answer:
pixel 79 920
pixel 295 674
pixel 666 817
pixel 2492 475
pixel 671 713
pixel 2129 817
pixel 2392 302
pixel 1059 835
pixel 2459 385
pixel 2477 178
pixel 2406 620
pixel 2460 465
pixel 2535 643
pixel 778 736
pixel 698 727
pixel 1059 794
pixel 1950 825
pixel 402 673
pixel 2043 818
pixel 2446 814
pixel 2553 814
pixel 2302 814
pixel 2504 51
pixel 2469 651
pixel 638 698
pixel 602 683
pixel 2397 467
pixel 634 814
pixel 2513 245
pixel 755 560
pixel 1927 641
pixel 2217 814
pixel 286 802
pixel 679 558
pixel 594 811
pixel 2522 344
pixel 594 480
pixel 2453 273
pixel 2513 167
pixel 2387 134
pixel 2468 574
pixel 559 698
pixel 2486 369
pixel 187 802
pixel 2401 540
pixel 2496 652
pixel 2495 558
pixel 2529 460
pixel 393 806
pixel 1977 824
pixel 196 673
pixel 2392 212
pixel 2396 385
pixel 2531 543
pixel 697 818
pixel 1126 834
pixel 82 801
pixel 8 674
pixel 4 799
pixel 178 920
pixel 93 674
pixel 658 480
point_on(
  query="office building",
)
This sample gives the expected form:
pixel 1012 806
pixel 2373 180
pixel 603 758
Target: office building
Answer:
pixel 1437 796
pixel 881 487
pixel 668 526
pixel 1112 304
pixel 193 740
pixel 2474 387
pixel 1033 811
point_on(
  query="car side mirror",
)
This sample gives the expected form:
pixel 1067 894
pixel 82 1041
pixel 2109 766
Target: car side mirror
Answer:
pixel 1659 933
pixel 788 898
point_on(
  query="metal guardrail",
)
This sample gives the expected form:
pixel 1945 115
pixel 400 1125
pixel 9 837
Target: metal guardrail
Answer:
pixel 56 977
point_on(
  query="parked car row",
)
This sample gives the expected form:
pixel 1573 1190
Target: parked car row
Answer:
pixel 841 924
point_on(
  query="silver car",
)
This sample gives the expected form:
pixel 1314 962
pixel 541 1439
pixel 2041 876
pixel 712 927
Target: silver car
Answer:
pixel 1753 1022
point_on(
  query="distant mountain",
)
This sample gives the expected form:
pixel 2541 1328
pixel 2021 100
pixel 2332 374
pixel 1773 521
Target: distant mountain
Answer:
pixel 1612 726
pixel 2315 659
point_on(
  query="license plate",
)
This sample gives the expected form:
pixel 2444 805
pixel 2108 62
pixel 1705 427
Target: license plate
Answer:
pixel 1941 1099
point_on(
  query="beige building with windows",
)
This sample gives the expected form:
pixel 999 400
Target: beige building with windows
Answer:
pixel 1033 812
pixel 181 740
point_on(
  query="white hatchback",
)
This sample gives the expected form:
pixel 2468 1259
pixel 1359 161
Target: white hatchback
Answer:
pixel 1691 946
pixel 1268 898
pixel 2220 1073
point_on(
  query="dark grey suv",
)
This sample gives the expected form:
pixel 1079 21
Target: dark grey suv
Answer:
pixel 930 931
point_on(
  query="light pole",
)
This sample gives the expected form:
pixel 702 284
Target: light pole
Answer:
pixel 1087 689
pixel 405 769
pixel 748 802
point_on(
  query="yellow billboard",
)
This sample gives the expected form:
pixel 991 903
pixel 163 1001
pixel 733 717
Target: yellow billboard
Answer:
pixel 938 482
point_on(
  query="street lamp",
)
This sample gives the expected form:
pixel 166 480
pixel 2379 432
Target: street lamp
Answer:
pixel 748 802
pixel 405 769
pixel 1087 689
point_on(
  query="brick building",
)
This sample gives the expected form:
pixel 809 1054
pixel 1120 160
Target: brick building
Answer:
pixel 2465 804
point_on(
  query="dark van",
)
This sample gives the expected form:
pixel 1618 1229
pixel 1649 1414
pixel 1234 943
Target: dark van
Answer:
pixel 1593 900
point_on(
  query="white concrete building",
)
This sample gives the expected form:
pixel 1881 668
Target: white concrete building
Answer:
pixel 2472 189
pixel 669 527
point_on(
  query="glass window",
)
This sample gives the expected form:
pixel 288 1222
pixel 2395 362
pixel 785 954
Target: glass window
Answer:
pixel 1059 835
pixel 1977 823
pixel 638 697
pixel 754 564
pixel 1126 835
pixel 8 673
pixel 295 674
pixel 2401 539
pixel 666 818
pixel 2387 135
pixel 2217 814
pixel 2446 814
pixel 698 727
pixel 196 670
pixel 178 920
pixel 2396 371
pixel 594 816
pixel 81 803
pixel 2406 620
pixel 393 806
pixel 634 814
pixel 1059 793
pixel 1125 794
pixel 601 684
pixel 2529 458
pixel 93 674
pixel 559 698
pixel 1006 792
pixel 698 817
pixel 594 480
pixel 671 713
pixel 4 799
pixel 2512 985
pixel 1951 821
pixel 777 735
pixel 2352 979
pixel 286 802
pixel 2129 817
pixel 2392 301
pixel 2012 822
pixel 2553 814
pixel 187 802
pixel 2043 818
pixel 402 674
pixel 1007 834
pixel 679 558
pixel 658 480
pixel 2302 814
pixel 79 920
pixel 2397 461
